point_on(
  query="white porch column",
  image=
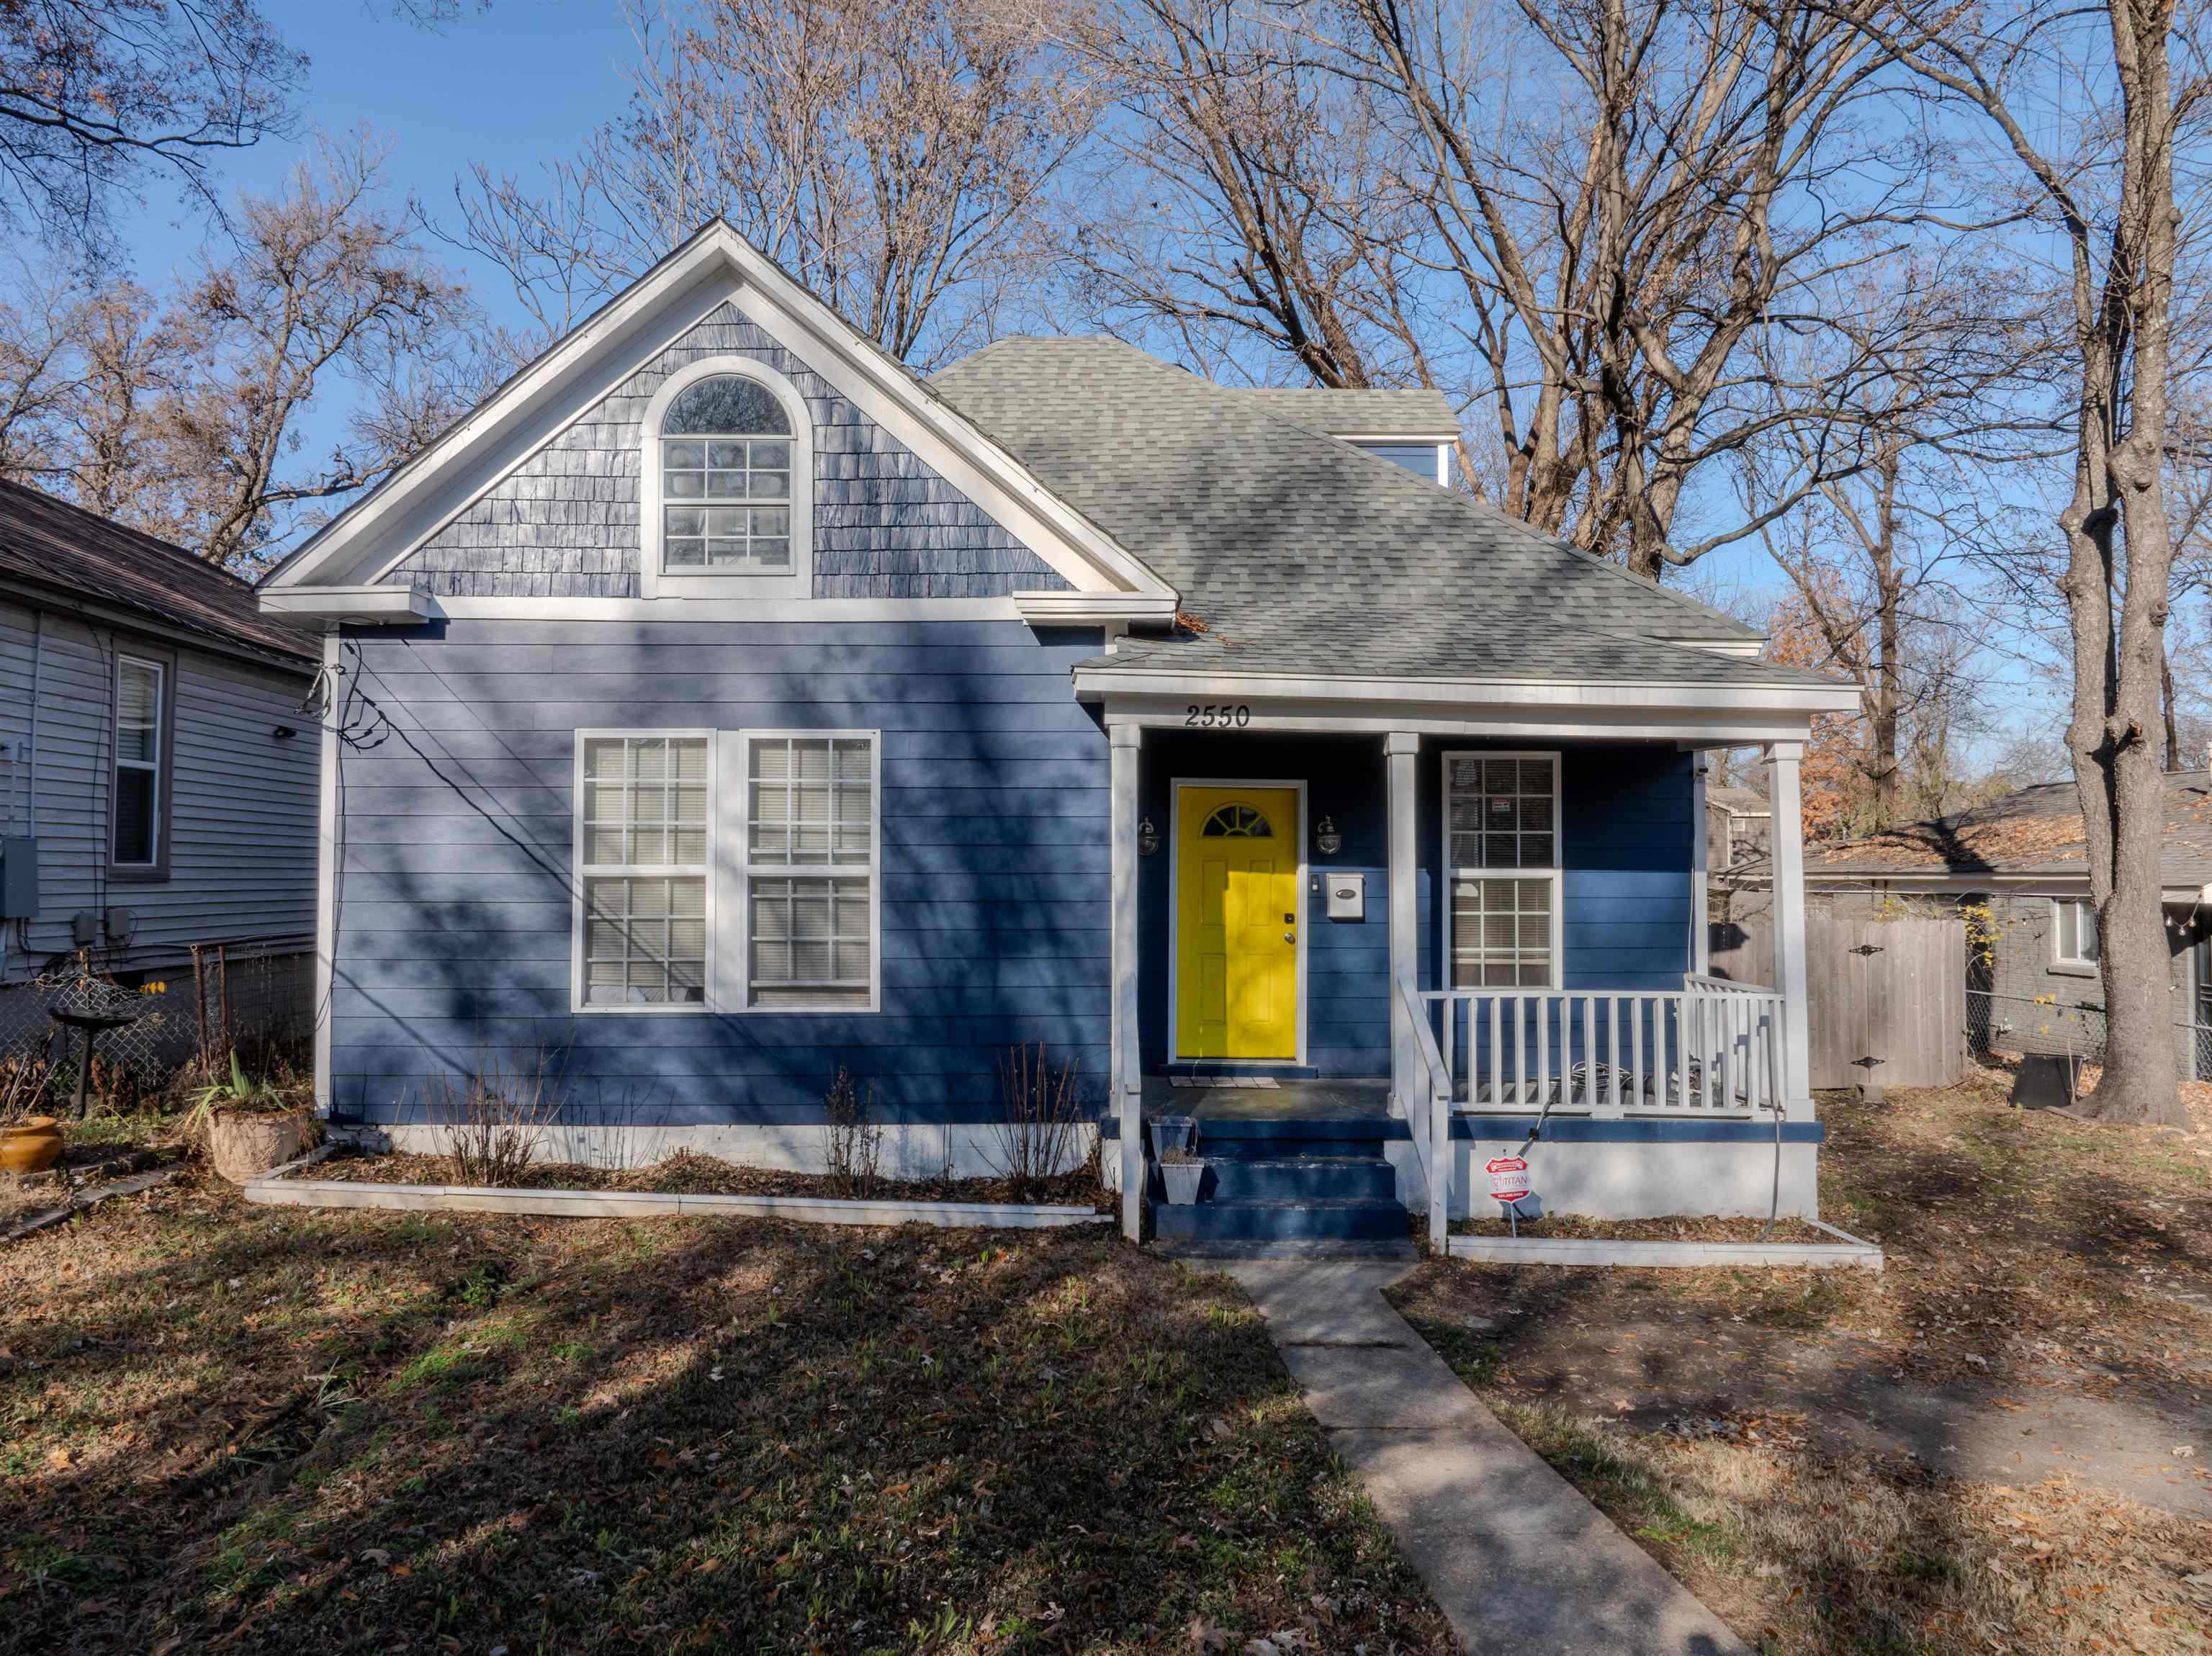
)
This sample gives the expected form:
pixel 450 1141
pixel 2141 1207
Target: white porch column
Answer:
pixel 327 867
pixel 1701 952
pixel 1401 750
pixel 1789 840
pixel 1127 1071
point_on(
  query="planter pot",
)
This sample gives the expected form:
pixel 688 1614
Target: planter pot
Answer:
pixel 245 1144
pixel 1182 1180
pixel 1172 1132
pixel 31 1146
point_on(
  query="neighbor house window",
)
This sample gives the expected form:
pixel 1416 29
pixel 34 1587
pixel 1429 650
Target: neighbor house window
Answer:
pixel 811 867
pixel 1502 842
pixel 726 471
pixel 644 823
pixel 2075 931
pixel 141 694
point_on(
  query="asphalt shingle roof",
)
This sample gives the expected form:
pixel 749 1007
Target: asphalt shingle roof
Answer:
pixel 1359 413
pixel 2037 830
pixel 1302 555
pixel 64 546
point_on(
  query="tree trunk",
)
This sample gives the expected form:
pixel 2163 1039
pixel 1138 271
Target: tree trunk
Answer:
pixel 1889 662
pixel 2124 325
pixel 2166 687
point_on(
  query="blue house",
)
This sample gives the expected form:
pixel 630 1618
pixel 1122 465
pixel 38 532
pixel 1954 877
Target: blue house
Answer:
pixel 720 704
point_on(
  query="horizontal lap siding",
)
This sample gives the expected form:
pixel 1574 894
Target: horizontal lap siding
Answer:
pixel 454 920
pixel 242 808
pixel 1627 835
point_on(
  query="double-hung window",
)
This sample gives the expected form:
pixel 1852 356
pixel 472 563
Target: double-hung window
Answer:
pixel 2074 931
pixel 141 704
pixel 644 827
pixel 1501 838
pixel 811 870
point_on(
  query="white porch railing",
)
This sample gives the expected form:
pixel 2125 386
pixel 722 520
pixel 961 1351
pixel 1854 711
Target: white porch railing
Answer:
pixel 1713 1047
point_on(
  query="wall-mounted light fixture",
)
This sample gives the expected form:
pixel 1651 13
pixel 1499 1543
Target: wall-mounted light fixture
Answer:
pixel 283 732
pixel 1148 837
pixel 1327 839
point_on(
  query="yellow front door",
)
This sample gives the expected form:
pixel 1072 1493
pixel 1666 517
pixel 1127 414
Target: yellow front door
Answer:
pixel 1236 929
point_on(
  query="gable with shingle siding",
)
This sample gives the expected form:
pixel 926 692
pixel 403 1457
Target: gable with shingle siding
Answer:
pixel 565 523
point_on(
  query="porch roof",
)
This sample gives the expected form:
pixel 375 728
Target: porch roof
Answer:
pixel 1299 552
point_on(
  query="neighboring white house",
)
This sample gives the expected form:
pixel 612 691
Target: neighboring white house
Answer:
pixel 157 771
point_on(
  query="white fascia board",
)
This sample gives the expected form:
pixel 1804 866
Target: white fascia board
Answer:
pixel 716 267
pixel 1117 684
pixel 371 606
pixel 2033 883
pixel 730 609
pixel 1093 609
pixel 1416 439
pixel 1739 649
pixel 1532 725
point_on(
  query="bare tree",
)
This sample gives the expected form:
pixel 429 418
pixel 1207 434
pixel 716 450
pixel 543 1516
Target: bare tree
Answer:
pixel 2087 111
pixel 891 156
pixel 326 283
pixel 186 419
pixel 92 92
pixel 1876 554
pixel 1245 199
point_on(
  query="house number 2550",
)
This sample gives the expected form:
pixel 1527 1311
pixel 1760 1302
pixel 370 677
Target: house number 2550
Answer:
pixel 1217 715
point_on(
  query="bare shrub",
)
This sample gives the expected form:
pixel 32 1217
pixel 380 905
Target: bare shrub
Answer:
pixel 855 1144
pixel 1040 1119
pixel 24 1078
pixel 492 1121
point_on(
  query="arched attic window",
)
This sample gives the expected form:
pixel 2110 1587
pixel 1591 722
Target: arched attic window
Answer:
pixel 727 459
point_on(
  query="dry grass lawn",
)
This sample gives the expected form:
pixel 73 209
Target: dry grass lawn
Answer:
pixel 225 1427
pixel 1780 1438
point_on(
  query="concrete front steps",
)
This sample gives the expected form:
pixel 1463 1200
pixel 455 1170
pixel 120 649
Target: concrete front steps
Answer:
pixel 1317 1188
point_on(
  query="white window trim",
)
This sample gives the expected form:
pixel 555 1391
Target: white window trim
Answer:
pixel 1556 873
pixel 2072 964
pixel 655 583
pixel 156 846
pixel 579 991
pixel 736 863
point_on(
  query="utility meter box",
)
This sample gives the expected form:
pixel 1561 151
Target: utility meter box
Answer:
pixel 1347 896
pixel 19 877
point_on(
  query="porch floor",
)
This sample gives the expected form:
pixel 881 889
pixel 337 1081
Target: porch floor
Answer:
pixel 1284 1101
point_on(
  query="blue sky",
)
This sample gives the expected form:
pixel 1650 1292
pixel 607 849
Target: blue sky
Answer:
pixel 519 84
pixel 511 87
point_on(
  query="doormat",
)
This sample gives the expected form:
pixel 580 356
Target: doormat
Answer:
pixel 1222 1081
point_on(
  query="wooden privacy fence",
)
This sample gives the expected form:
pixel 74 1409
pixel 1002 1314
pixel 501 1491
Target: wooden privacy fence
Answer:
pixel 1886 997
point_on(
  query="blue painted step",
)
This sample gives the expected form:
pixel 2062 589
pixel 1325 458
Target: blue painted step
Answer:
pixel 1269 1139
pixel 1308 1219
pixel 1247 1179
pixel 1314 1180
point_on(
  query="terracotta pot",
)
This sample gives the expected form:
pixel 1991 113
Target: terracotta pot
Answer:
pixel 31 1146
pixel 245 1144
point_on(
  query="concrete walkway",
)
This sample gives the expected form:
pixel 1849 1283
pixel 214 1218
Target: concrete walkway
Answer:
pixel 1520 1563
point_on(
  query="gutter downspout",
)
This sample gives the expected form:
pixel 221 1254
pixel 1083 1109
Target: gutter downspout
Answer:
pixel 38 699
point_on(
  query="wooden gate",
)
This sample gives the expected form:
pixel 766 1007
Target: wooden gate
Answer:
pixel 1887 996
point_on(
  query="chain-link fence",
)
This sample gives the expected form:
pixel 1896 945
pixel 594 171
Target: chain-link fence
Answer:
pixel 2015 1023
pixel 247 997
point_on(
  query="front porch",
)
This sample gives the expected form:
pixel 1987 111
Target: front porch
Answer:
pixel 1521 939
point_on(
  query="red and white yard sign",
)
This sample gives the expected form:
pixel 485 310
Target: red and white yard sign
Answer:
pixel 1509 1178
